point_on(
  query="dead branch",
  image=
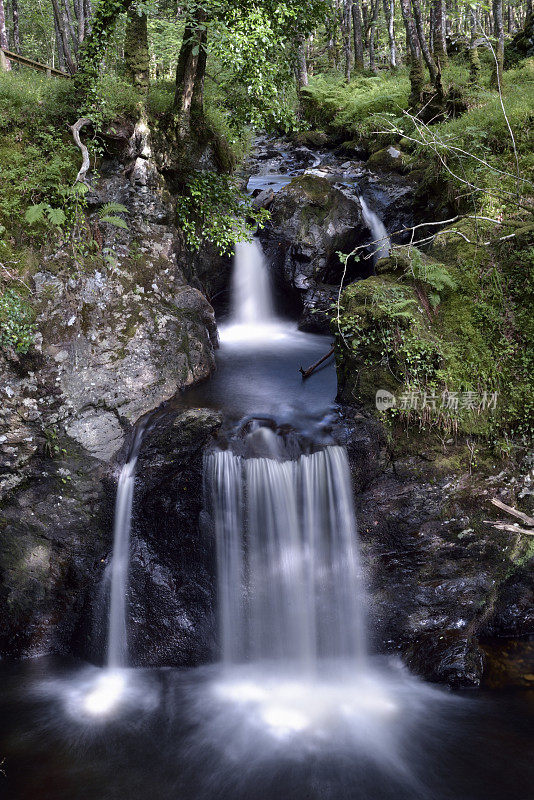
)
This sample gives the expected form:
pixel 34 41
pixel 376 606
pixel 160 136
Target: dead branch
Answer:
pixel 529 521
pixel 76 128
pixel 307 372
pixel 506 526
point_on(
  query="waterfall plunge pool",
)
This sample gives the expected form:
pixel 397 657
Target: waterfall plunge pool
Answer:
pixel 247 733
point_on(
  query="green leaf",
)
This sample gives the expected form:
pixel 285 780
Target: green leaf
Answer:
pixel 113 208
pixel 116 221
pixel 56 216
pixel 36 213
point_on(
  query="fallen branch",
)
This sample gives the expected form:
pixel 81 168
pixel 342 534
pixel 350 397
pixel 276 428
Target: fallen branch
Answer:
pixel 307 372
pixel 76 128
pixel 506 526
pixel 529 521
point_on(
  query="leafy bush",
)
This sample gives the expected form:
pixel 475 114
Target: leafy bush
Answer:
pixel 16 322
pixel 216 212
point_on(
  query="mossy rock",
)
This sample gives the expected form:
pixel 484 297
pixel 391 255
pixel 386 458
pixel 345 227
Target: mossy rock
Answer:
pixel 389 159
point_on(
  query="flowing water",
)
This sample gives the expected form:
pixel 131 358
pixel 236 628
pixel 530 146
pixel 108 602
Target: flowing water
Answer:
pixel 289 571
pixel 381 243
pixel 297 707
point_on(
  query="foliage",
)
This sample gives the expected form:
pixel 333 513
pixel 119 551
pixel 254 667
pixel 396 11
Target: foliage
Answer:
pixel 214 211
pixel 16 321
pixel 331 103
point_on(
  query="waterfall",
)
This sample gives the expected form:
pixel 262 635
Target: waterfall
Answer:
pixel 117 635
pixel 288 565
pixel 252 303
pixel 382 248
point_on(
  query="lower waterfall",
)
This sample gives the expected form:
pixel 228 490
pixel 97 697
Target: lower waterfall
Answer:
pixel 288 563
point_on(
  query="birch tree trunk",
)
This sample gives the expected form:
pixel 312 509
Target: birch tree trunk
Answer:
pixel 498 32
pixel 389 13
pixel 5 63
pixel 372 32
pixel 440 46
pixel 357 31
pixel 417 77
pixel 416 6
pixel 62 30
pixel 16 26
pixel 345 28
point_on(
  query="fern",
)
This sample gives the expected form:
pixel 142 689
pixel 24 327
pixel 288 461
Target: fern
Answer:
pixel 36 213
pixel 112 220
pixel 112 208
pixel 108 213
pixel 56 216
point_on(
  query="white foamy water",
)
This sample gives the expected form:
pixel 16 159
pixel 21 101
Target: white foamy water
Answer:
pixel 289 571
pixel 253 320
pixel 382 243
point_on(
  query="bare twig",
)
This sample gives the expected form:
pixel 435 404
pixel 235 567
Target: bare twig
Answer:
pixel 15 278
pixel 506 526
pixel 76 128
pixel 307 372
pixel 514 512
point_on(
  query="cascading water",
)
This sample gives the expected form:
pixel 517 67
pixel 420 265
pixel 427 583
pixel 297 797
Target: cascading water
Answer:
pixel 289 573
pixel 251 291
pixel 117 635
pixel 382 243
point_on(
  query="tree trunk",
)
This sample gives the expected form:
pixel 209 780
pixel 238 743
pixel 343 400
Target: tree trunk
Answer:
pixel 417 77
pixel 197 100
pixel 6 64
pixel 357 34
pixel 372 32
pixel 69 25
pixel 498 32
pixel 62 30
pixel 474 60
pixel 59 46
pixel 416 6
pixel 16 26
pixel 190 73
pixel 136 56
pixel 79 12
pixel 438 30
pixel 389 13
pixel 301 69
pixel 345 29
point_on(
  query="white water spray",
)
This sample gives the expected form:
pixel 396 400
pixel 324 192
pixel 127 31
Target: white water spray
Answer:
pixel 382 243
pixel 253 319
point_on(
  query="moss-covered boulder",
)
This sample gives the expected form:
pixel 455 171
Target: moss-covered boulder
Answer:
pixel 389 159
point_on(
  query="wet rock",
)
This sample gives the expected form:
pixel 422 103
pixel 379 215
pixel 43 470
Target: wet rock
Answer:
pixel 114 341
pixel 311 221
pixel 440 578
pixel 172 587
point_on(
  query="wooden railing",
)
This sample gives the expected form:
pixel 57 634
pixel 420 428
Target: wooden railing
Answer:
pixel 29 62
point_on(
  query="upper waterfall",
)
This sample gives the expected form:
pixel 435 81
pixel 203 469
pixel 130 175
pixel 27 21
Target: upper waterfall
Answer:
pixel 252 302
pixel 252 315
pixel 381 241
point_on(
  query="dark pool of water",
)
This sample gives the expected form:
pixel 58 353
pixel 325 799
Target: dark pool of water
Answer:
pixel 171 736
pixel 261 378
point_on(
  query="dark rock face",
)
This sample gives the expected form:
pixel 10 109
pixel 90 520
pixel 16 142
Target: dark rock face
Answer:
pixel 311 221
pixel 171 595
pixel 52 539
pixel 114 340
pixel 439 577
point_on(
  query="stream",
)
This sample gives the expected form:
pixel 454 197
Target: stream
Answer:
pixel 296 706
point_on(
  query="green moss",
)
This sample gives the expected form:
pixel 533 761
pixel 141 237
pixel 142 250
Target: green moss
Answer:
pixel 460 324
